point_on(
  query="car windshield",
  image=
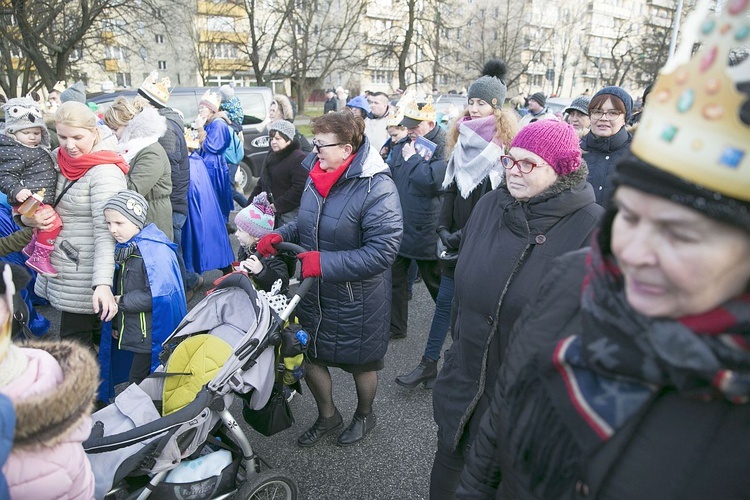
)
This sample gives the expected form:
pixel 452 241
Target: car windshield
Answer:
pixel 253 106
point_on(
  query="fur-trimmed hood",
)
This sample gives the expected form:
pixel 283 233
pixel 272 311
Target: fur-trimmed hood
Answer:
pixel 46 419
pixel 146 124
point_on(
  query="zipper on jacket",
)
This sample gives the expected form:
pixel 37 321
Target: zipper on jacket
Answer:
pixel 122 314
pixel 143 325
pixel 317 247
pixel 351 292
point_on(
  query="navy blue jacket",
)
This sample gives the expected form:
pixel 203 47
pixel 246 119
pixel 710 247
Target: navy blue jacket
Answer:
pixel 174 144
pixel 357 228
pixel 602 155
pixel 419 186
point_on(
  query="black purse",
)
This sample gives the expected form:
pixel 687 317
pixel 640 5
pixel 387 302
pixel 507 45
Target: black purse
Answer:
pixel 274 417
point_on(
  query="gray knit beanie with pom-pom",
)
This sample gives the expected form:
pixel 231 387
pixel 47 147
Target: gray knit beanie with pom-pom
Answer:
pixel 490 87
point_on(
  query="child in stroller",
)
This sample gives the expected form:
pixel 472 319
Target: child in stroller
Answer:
pixel 218 351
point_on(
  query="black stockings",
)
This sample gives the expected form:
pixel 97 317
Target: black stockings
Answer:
pixel 319 382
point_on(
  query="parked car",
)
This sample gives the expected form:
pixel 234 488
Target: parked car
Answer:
pixel 559 104
pixel 255 104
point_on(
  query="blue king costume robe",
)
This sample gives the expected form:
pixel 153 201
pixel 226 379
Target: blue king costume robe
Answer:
pixel 218 139
pixel 205 242
pixel 169 306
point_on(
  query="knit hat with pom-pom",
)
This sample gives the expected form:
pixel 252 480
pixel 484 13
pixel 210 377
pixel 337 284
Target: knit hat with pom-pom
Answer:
pixel 555 142
pixel 490 87
pixel 257 218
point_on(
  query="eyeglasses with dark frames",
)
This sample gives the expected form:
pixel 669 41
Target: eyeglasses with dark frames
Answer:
pixel 524 166
pixel 317 145
pixel 611 114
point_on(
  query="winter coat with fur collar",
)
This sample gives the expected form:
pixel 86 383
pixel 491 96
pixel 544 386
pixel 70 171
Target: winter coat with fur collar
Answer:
pixel 52 399
pixel 150 171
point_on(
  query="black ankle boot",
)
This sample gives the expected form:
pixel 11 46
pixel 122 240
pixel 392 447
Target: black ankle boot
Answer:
pixel 358 428
pixel 426 370
pixel 321 428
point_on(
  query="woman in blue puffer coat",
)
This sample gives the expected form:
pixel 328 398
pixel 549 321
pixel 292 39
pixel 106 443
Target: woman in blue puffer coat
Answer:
pixel 350 220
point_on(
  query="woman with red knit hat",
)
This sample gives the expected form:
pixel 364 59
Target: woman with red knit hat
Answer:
pixel 543 208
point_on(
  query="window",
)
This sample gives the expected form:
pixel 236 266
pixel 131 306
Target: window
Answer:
pixel 116 26
pixel 220 23
pixel 143 53
pixel 114 52
pixel 159 38
pixel 162 64
pixel 223 51
pixel 443 79
pixel 122 79
pixel 382 76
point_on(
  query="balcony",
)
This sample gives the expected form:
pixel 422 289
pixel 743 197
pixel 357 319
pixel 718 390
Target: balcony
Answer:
pixel 206 36
pixel 112 65
pixel 226 8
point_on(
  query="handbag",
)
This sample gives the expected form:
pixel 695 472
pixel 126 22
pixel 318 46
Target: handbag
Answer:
pixel 274 417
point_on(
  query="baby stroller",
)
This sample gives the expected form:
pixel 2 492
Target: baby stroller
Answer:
pixel 172 436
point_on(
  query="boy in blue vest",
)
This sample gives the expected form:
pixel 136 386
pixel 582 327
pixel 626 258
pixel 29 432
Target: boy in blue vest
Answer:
pixel 148 286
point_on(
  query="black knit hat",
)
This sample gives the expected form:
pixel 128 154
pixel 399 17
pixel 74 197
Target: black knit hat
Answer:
pixel 490 87
pixel 632 171
pixel 539 97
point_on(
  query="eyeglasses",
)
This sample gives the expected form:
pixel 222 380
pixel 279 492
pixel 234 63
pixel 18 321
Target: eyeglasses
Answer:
pixel 612 114
pixel 524 166
pixel 317 145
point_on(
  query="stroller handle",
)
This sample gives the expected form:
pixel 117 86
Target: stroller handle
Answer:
pixel 304 287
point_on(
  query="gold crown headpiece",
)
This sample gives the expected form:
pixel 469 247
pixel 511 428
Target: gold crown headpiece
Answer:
pixel 396 113
pixel 691 126
pixel 212 100
pixel 191 140
pixel 425 113
pixel 59 86
pixel 158 90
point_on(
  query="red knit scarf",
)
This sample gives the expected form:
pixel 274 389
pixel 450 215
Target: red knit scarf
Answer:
pixel 323 180
pixel 75 168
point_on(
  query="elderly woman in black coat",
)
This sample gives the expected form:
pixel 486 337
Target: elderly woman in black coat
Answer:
pixel 350 220
pixel 629 376
pixel 544 208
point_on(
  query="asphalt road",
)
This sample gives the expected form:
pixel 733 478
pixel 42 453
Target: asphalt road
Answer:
pixel 393 461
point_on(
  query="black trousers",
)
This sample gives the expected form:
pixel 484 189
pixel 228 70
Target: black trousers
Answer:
pixel 429 270
pixel 83 328
pixel 141 367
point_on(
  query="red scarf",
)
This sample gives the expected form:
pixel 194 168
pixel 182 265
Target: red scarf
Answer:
pixel 75 168
pixel 323 180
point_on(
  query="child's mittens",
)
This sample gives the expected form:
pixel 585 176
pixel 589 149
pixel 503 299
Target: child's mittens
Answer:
pixel 265 245
pixel 310 264
pixel 252 265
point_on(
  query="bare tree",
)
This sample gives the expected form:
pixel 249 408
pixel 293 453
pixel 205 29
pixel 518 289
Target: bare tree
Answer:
pixel 324 37
pixel 566 40
pixel 218 41
pixel 618 56
pixel 266 38
pixel 39 37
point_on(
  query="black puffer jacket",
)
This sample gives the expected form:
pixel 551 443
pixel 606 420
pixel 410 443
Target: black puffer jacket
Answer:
pixel 506 249
pixel 419 188
pixel 677 449
pixel 133 319
pixel 284 177
pixel 357 229
pixel 174 144
pixel 22 167
pixel 602 154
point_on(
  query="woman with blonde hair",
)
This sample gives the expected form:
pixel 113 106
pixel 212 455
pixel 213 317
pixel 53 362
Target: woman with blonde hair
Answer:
pixel 138 129
pixel 476 140
pixel 90 174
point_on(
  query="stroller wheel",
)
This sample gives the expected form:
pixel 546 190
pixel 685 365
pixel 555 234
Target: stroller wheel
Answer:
pixel 272 484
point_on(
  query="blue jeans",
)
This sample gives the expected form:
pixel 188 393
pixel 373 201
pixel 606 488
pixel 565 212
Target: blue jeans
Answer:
pixel 178 221
pixel 441 320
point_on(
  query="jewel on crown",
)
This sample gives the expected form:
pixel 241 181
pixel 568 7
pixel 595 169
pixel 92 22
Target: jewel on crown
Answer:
pixel 694 124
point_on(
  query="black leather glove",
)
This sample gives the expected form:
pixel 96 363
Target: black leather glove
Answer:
pixel 444 235
pixel 454 240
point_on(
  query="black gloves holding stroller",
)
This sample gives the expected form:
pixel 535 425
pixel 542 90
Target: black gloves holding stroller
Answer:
pixel 450 240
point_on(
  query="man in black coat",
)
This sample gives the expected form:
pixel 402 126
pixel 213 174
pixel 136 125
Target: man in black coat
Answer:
pixel 418 166
pixel 332 104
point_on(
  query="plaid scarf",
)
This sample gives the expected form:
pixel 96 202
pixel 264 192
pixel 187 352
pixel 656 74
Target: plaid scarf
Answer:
pixel 588 386
pixel 475 156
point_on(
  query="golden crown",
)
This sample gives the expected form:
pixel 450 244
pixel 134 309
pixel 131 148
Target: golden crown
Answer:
pixel 691 126
pixel 213 99
pixel 426 113
pixel 191 139
pixel 59 86
pixel 158 90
